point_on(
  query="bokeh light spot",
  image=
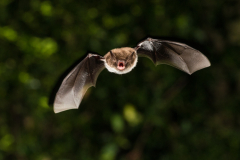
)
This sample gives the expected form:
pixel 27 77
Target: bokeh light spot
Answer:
pixel 131 115
pixel 46 8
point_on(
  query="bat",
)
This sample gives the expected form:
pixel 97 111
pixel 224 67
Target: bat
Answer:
pixel 122 61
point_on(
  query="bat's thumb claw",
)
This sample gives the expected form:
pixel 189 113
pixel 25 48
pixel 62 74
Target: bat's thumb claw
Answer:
pixel 149 39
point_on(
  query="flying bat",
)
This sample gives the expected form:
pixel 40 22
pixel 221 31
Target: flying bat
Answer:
pixel 122 61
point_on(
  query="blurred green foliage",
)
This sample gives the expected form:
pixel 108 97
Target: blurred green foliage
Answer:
pixel 150 113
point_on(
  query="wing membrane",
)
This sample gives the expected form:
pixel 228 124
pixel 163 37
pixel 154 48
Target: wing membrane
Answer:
pixel 175 54
pixel 76 83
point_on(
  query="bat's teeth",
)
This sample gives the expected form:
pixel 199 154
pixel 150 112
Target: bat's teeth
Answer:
pixel 121 65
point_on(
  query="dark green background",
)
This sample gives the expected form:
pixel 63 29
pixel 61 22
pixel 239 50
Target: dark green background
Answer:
pixel 150 113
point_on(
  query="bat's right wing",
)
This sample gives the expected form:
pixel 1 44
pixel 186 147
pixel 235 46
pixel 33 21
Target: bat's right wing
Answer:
pixel 175 54
pixel 76 83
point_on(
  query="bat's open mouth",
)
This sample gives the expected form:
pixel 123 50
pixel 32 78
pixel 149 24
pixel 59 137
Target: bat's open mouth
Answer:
pixel 121 65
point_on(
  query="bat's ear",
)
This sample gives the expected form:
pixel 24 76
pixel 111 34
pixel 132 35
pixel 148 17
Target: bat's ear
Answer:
pixel 112 54
pixel 131 56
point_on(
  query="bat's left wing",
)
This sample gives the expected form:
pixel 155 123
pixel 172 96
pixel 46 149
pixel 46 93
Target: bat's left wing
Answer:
pixel 175 54
pixel 76 83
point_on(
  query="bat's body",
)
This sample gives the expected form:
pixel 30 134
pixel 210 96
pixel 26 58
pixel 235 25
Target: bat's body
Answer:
pixel 122 61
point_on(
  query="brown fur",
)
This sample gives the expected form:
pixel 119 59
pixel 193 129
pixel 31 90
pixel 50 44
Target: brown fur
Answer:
pixel 121 54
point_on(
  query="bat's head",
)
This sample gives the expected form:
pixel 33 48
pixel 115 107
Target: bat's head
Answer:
pixel 121 60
